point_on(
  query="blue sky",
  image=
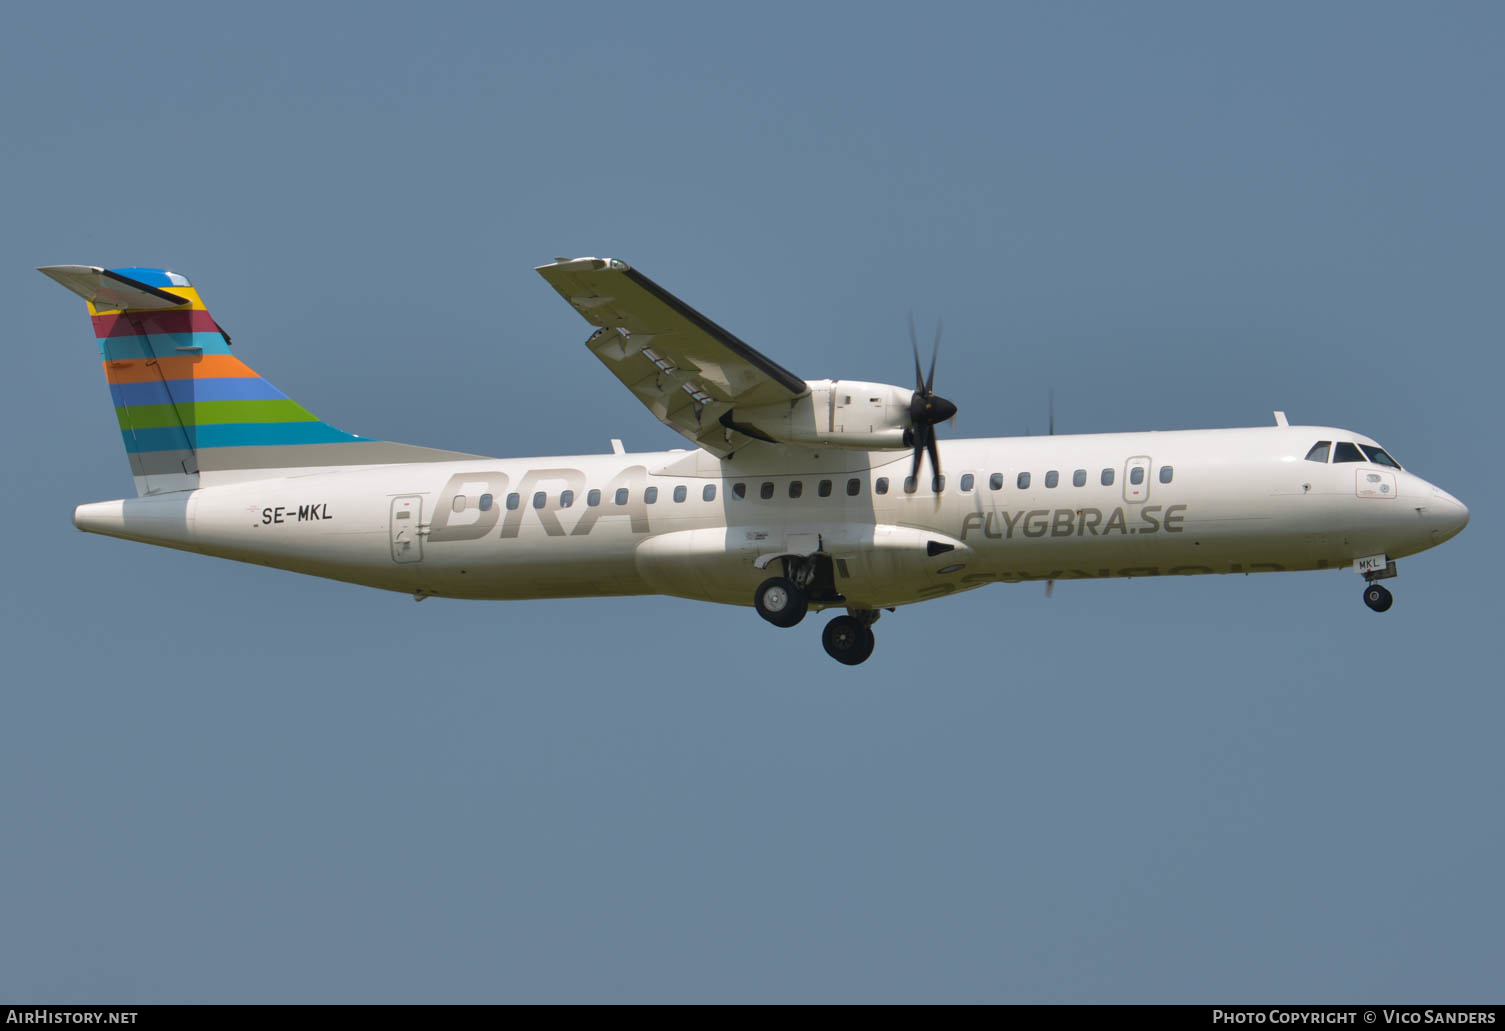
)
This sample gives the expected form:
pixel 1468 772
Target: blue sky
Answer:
pixel 225 783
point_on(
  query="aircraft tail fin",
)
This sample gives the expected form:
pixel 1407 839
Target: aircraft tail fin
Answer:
pixel 190 411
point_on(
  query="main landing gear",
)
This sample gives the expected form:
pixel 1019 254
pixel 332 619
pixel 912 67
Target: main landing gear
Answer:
pixel 849 639
pixel 784 600
pixel 780 601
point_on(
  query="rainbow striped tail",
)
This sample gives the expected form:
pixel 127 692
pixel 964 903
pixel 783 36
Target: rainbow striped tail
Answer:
pixel 191 413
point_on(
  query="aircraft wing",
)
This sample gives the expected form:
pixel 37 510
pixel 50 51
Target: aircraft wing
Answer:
pixel 688 370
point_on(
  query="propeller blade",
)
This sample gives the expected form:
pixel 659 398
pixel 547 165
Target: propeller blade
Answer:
pixel 935 462
pixel 1052 411
pixel 921 434
pixel 914 341
pixel 1050 588
pixel 935 353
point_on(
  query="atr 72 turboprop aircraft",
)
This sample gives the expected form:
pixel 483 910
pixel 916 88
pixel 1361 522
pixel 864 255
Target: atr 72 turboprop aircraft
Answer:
pixel 796 494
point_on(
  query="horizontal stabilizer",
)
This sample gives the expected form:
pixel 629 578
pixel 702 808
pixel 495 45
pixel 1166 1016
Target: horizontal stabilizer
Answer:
pixel 109 291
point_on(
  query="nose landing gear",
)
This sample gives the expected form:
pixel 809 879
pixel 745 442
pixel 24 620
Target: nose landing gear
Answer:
pixel 1374 569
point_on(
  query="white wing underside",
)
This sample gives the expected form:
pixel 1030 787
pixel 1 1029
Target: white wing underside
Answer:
pixel 687 370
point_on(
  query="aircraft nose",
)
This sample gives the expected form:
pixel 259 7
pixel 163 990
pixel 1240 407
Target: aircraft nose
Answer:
pixel 1448 515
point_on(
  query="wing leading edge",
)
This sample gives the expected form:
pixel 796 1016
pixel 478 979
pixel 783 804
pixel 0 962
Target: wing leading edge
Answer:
pixel 689 371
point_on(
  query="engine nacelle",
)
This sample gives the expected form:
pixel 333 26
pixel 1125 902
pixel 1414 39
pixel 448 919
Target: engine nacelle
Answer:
pixel 836 413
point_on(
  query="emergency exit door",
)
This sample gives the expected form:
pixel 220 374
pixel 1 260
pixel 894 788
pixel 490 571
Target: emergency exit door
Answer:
pixel 1136 480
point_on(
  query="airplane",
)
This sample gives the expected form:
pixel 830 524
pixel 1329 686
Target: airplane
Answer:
pixel 795 494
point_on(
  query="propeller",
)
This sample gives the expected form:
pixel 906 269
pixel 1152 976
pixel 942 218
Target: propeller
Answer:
pixel 926 409
pixel 1050 585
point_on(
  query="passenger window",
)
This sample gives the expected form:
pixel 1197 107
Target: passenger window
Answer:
pixel 1023 481
pixel 1136 475
pixel 458 505
pixel 1106 479
pixel 739 491
pixel 1166 472
pixel 1378 456
pixel 709 494
pixel 909 485
pixel 796 488
pixel 766 491
pixel 1052 478
pixel 937 484
pixel 621 497
pixel 1079 478
pixel 1346 452
pixel 967 482
pixel 513 501
pixel 540 499
pixel 566 498
pixel 650 495
pixel 1319 451
pixel 680 493
pixel 593 498
pixel 824 488
pixel 853 486
pixel 995 482
pixel 485 502
pixel 881 486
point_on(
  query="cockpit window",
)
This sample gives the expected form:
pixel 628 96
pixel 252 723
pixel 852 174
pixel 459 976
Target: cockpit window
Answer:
pixel 1346 452
pixel 1378 456
pixel 1319 451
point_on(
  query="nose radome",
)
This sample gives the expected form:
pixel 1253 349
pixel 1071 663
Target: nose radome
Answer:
pixel 1449 514
pixel 1461 516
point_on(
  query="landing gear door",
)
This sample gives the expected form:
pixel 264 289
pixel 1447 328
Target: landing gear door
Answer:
pixel 407 541
pixel 1137 480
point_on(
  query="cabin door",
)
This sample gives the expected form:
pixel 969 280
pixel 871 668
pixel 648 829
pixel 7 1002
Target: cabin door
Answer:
pixel 407 542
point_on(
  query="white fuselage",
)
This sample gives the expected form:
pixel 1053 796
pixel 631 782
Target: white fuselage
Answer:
pixel 676 522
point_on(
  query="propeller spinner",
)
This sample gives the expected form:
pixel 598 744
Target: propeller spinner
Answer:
pixel 926 409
